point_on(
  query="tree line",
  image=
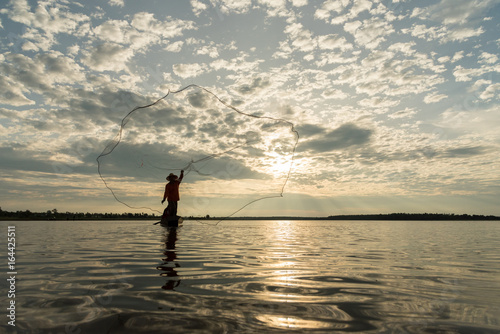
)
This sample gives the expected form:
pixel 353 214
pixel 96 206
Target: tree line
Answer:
pixel 54 214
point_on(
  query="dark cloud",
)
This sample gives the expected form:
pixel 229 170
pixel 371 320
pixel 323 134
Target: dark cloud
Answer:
pixel 464 151
pixel 257 83
pixel 308 130
pixel 198 99
pixel 371 156
pixel 345 136
pixel 22 158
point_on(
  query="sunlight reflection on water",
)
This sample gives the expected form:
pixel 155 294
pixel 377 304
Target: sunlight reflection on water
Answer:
pixel 258 276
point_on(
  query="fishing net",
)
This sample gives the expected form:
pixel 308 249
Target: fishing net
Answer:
pixel 230 158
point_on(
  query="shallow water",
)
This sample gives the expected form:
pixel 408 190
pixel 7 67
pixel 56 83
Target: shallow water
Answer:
pixel 255 277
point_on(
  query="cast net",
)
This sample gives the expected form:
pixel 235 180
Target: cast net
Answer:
pixel 231 158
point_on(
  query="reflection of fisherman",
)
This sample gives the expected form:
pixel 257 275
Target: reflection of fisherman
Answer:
pixel 169 265
pixel 172 194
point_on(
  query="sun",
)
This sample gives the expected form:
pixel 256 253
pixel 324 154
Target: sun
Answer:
pixel 280 167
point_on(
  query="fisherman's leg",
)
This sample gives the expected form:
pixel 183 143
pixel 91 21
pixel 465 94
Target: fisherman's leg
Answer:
pixel 173 211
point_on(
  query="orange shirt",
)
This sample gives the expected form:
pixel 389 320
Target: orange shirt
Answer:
pixel 172 190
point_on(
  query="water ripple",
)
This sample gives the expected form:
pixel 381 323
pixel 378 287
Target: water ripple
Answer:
pixel 258 277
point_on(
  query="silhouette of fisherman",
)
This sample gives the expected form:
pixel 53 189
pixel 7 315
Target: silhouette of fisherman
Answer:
pixel 172 196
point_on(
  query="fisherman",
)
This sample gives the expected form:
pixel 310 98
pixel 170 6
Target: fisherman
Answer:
pixel 172 195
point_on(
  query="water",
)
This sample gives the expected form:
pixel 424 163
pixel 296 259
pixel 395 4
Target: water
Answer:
pixel 255 277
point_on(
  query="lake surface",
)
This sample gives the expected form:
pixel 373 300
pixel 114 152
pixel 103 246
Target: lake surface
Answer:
pixel 254 277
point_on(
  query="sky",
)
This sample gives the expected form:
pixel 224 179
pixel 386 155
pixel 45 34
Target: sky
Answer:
pixel 395 104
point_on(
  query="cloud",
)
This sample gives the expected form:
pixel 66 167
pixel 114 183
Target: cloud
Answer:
pixel 334 94
pixel 464 152
pixel 300 3
pixel 488 58
pixel 22 158
pixel 458 11
pixel 301 38
pixel 167 28
pixel 310 130
pixel 55 19
pixel 13 93
pixel 45 74
pixel 434 98
pixel 198 99
pixel 378 102
pixel 330 6
pixel 189 70
pixel 257 84
pixel 333 41
pixel 198 7
pixel 406 113
pixel 175 46
pixel 211 51
pixel 117 3
pixel 343 137
pixel 232 6
pixel 108 57
pixel 490 92
pixel 274 7
pixel 465 74
pixel 369 33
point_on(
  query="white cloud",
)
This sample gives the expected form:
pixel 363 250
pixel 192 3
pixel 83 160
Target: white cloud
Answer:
pixel 360 6
pixel 443 59
pixel 333 41
pixel 490 92
pixel 232 6
pixel 117 3
pixel 175 46
pixel 406 113
pixel 301 38
pixel 462 34
pixel 284 50
pixel 434 98
pixel 457 56
pixel 73 49
pixel 369 33
pixel 336 94
pixel 406 48
pixel 117 31
pixel 421 31
pixel 108 57
pixel 488 58
pixel 167 28
pixel 29 46
pixel 378 102
pixel 329 6
pixel 54 19
pixel 189 70
pixel 442 33
pixel 198 7
pixel 465 74
pixel 458 11
pixel 211 51
pixel 300 3
pixel 239 65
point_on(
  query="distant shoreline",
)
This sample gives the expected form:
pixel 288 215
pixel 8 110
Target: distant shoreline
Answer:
pixel 69 216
